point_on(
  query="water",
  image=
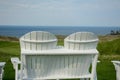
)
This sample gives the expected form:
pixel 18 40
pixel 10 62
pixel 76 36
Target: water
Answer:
pixel 18 31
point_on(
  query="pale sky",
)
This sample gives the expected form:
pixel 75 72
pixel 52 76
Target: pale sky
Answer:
pixel 60 12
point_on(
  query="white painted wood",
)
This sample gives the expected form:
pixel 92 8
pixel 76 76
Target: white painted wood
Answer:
pixel 38 40
pixel 2 64
pixel 41 59
pixel 15 61
pixel 81 41
pixel 53 66
pixel 67 66
pixel 117 68
pixel 58 63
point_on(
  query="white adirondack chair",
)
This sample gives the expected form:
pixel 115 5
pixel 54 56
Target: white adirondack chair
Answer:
pixel 84 41
pixel 2 64
pixel 34 41
pixel 41 59
pixel 117 68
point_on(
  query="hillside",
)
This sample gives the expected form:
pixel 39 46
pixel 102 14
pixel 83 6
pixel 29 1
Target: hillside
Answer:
pixel 108 47
pixel 7 38
pixel 61 38
pixel 108 38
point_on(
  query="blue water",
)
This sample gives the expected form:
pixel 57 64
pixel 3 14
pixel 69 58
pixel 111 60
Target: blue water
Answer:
pixel 18 31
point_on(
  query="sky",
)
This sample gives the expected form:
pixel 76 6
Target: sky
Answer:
pixel 60 12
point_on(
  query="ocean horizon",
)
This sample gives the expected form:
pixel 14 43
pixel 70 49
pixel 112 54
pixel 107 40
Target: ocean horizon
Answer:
pixel 18 31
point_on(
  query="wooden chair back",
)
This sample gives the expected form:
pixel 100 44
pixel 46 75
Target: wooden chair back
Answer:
pixel 81 41
pixel 38 40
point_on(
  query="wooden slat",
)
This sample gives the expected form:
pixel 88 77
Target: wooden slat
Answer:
pixel 81 41
pixel 38 40
pixel 46 66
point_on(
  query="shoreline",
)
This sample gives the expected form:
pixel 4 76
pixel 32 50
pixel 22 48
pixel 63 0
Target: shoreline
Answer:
pixel 102 38
pixel 18 31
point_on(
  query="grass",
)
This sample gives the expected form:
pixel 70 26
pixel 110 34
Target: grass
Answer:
pixel 106 71
pixel 109 47
pixel 8 49
pixel 109 50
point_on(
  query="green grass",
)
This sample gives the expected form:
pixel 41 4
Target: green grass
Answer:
pixel 109 47
pixel 109 50
pixel 106 71
pixel 7 50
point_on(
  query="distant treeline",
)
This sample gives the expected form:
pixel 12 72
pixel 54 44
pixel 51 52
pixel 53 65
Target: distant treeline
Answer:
pixel 115 32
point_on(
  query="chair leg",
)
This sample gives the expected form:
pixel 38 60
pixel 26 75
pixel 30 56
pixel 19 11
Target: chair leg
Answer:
pixel 95 77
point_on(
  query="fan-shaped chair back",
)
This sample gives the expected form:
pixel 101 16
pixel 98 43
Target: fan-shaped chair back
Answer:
pixel 81 41
pixel 38 40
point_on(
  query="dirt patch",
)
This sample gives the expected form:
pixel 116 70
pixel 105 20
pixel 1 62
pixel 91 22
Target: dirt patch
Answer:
pixel 108 38
pixel 6 38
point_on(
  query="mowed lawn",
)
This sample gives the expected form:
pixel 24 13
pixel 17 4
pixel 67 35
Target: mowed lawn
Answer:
pixel 109 50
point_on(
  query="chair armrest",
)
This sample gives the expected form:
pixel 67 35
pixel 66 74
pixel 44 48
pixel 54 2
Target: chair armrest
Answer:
pixel 117 62
pixel 2 64
pixel 15 61
pixel 117 68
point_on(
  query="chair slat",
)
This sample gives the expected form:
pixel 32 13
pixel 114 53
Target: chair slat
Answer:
pixel 38 40
pixel 65 66
pixel 81 41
